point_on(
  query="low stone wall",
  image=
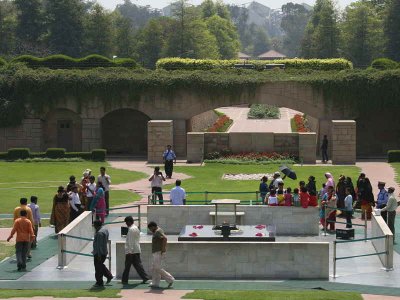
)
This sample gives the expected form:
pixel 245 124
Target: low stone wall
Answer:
pixel 343 142
pixel 288 220
pixel 380 228
pixel 81 227
pixel 237 260
pixel 160 133
pixel 27 135
pixel 202 121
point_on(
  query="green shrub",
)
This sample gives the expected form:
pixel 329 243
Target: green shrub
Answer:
pixel 94 61
pixel 18 153
pixel 336 64
pixel 99 154
pixel 3 155
pixel 55 152
pixel 393 156
pixel 125 63
pixel 35 155
pixel 2 62
pixel 82 155
pixel 263 111
pixel 58 62
pixel 384 64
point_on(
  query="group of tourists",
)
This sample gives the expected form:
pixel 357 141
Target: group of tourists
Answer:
pixel 89 194
pixel 132 254
pixel 332 198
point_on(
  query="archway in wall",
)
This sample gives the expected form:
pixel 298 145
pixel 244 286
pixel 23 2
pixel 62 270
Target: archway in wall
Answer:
pixel 62 129
pixel 124 131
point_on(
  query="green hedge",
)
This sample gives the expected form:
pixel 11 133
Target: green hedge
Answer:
pixel 263 111
pixel 393 156
pixel 2 62
pixel 66 62
pixel 384 64
pixel 170 64
pixel 52 153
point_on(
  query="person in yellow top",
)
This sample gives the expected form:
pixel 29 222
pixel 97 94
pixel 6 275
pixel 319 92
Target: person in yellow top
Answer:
pixel 17 213
pixel 25 235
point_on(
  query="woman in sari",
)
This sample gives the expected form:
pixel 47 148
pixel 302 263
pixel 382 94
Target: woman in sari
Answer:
pixel 60 211
pixel 98 205
pixel 328 203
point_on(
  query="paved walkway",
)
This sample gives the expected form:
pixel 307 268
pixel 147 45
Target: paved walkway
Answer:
pixel 242 124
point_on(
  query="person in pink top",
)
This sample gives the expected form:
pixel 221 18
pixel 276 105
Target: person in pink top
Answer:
pixel 98 205
pixel 288 197
pixel 329 182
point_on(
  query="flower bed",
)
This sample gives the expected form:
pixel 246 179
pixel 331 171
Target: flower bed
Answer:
pixel 226 157
pixel 263 111
pixel 221 125
pixel 299 123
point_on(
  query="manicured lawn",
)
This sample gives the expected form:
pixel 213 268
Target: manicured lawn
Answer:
pixel 6 250
pixel 272 295
pixel 8 223
pixel 209 178
pixel 396 167
pixel 99 293
pixel 22 179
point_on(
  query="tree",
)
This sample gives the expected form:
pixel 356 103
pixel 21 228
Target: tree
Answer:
pixel 30 21
pixel 322 33
pixel 226 36
pixel 208 9
pixel 294 22
pixel 261 42
pixel 65 26
pixel 7 28
pixel 124 39
pixel 98 32
pixel 392 30
pixel 361 33
pixel 222 10
pixel 138 15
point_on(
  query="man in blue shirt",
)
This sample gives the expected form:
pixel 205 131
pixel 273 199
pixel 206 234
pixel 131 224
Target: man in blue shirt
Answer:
pixel 382 199
pixel 169 158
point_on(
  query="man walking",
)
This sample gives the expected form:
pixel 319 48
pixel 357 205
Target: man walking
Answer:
pixel 382 199
pixel 17 213
pixel 25 235
pixel 100 252
pixel 178 194
pixel 391 207
pixel 105 180
pixel 169 158
pixel 132 252
pixel 159 248
pixel 36 219
pixel 324 149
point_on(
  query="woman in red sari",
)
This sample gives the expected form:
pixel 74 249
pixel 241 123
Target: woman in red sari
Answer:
pixel 60 211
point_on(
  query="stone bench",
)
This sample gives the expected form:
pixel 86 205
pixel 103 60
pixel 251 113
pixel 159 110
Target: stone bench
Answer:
pixel 239 216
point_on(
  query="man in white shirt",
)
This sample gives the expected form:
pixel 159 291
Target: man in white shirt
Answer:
pixel 178 194
pixel 132 252
pixel 90 191
pixel 105 180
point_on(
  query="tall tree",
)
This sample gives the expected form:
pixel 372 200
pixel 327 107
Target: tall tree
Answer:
pixel 124 39
pixel 138 15
pixel 392 30
pixel 294 20
pixel 7 28
pixel 98 32
pixel 361 33
pixel 322 32
pixel 208 9
pixel 65 26
pixel 261 42
pixel 30 25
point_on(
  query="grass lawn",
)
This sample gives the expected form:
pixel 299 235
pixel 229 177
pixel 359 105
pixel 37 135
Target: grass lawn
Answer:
pixel 396 167
pixel 8 223
pixel 272 295
pixel 6 250
pixel 209 178
pixel 23 179
pixel 99 293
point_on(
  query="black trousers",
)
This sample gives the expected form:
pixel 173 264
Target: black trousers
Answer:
pixel 107 197
pixel 21 250
pixel 101 269
pixel 134 259
pixel 324 154
pixel 169 167
pixel 348 214
pixel 158 191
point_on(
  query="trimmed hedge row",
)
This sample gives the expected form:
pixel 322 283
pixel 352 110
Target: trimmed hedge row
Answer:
pixel 170 64
pixel 53 153
pixel 384 64
pixel 394 156
pixel 66 62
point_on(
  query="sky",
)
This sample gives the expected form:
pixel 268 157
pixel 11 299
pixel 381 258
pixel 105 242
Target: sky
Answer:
pixel 110 4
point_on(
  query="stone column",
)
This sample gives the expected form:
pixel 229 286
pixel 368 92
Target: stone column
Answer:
pixel 307 147
pixel 159 133
pixel 343 142
pixel 179 144
pixel 195 147
pixel 91 134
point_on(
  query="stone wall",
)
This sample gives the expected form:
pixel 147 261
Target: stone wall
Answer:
pixel 380 228
pixel 160 134
pixel 215 141
pixel 288 220
pixel 91 134
pixel 202 121
pixel 307 151
pixel 237 260
pixel 343 142
pixel 28 135
pixel 179 143
pixel 195 147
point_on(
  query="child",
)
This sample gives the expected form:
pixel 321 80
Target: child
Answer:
pixel 304 197
pixel 313 198
pixel 321 193
pixel 263 188
pixel 36 219
pixel 281 198
pixel 272 199
pixel 288 197
pixel 296 199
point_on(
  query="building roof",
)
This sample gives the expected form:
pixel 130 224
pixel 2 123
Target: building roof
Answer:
pixel 272 54
pixel 243 55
